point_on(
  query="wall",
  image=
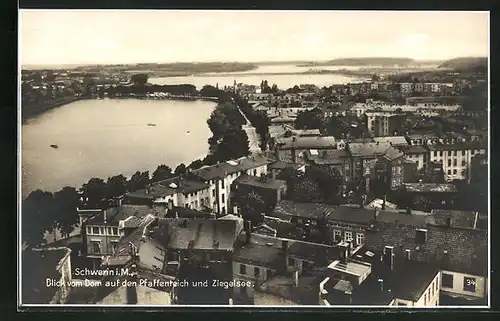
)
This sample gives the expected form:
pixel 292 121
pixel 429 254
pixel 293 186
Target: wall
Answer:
pixel 249 276
pixel 145 295
pixel 463 160
pixel 458 285
pixel 430 297
pixel 269 299
pixel 105 239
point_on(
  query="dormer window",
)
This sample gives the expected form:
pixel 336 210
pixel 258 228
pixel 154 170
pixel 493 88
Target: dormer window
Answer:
pixel 420 236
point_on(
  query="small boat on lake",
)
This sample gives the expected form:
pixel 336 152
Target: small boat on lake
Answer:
pixel 151 124
pixel 54 146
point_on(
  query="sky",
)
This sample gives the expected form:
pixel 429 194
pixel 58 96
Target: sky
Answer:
pixel 119 37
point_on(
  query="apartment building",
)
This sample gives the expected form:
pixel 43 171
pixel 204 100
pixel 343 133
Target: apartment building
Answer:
pixel 180 191
pixel 406 88
pixel 455 158
pixel 291 149
pixel 418 154
pixel 383 124
pixel 441 242
pixel 219 178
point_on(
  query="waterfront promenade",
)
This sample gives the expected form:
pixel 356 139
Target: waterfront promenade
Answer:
pixel 253 137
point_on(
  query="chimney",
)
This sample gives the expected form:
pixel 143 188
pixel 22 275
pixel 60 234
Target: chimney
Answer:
pixel 343 253
pixel 248 231
pixel 119 201
pixel 296 278
pixel 176 214
pixel 389 256
pixel 381 281
pixel 408 254
pixel 105 217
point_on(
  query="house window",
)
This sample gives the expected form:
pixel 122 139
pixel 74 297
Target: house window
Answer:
pixel 435 153
pixel 114 245
pixel 291 261
pixel 348 236
pixel 95 230
pixel 243 269
pixel 425 298
pixel 449 172
pixel 360 237
pixel 454 172
pixel 89 230
pixel 96 247
pixel 447 281
pixel 256 272
pixel 420 236
pixel 223 198
pixel 436 284
pixel 469 284
pixel 449 162
pixel 337 235
pixel 213 193
pixel 455 162
pixel 110 231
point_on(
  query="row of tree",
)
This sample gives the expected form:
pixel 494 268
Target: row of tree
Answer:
pixel 258 119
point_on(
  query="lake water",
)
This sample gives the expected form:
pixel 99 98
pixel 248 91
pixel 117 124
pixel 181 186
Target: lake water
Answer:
pixel 101 138
pixel 274 74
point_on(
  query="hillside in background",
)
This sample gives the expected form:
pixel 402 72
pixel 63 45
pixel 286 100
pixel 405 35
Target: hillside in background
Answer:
pixel 466 63
pixel 384 61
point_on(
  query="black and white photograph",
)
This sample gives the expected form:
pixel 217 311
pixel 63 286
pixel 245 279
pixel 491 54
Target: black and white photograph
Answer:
pixel 225 158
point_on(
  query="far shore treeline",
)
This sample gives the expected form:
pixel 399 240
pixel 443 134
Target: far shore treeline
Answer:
pixel 45 211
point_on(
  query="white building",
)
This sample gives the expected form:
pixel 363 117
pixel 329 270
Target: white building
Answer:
pixel 456 158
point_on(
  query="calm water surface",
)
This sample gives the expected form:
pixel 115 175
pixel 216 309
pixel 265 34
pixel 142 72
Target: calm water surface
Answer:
pixel 101 138
pixel 276 75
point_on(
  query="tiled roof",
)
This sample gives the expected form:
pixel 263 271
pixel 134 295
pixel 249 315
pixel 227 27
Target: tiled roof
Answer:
pixel 368 149
pixel 430 187
pixel 408 280
pixel 262 182
pixel 457 146
pixel 414 149
pixel 306 142
pixel 220 170
pixel 331 156
pixel 460 219
pixel 202 234
pixel 314 252
pixel 262 250
pixel 170 186
pixel 394 140
pixel 116 214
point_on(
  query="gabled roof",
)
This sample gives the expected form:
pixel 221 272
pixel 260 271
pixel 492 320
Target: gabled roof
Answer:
pixel 120 213
pixel 261 182
pixel 368 149
pixel 394 140
pixel 221 170
pixel 203 234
